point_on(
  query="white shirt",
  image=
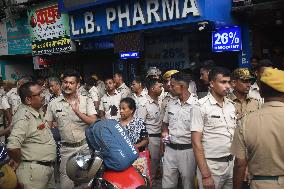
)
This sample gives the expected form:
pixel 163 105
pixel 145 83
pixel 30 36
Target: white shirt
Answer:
pixel 179 119
pixel 217 125
pixel 254 93
pixel 110 100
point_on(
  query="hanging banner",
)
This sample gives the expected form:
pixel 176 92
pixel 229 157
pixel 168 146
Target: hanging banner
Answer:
pixel 3 40
pixel 19 37
pixel 50 30
pixel 167 52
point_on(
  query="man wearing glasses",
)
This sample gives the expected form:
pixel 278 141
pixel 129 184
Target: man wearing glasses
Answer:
pixel 31 145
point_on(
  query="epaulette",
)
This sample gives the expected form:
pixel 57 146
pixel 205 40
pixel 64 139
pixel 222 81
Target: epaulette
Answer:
pixel 229 100
pixel 203 100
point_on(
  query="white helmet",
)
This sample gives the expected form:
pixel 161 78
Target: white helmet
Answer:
pixel 153 71
pixel 82 168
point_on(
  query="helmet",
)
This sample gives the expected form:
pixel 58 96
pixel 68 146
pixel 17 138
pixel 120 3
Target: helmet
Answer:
pixel 169 73
pixel 153 71
pixel 82 168
pixel 8 178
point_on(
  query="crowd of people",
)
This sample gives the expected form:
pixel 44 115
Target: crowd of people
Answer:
pixel 228 137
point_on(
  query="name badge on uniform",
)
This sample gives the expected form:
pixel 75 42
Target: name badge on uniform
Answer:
pixel 215 116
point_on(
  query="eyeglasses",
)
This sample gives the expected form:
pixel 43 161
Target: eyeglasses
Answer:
pixel 39 94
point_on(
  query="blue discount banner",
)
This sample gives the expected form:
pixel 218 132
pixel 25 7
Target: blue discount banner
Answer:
pixel 227 39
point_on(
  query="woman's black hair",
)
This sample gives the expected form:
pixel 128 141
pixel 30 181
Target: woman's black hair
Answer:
pixel 130 102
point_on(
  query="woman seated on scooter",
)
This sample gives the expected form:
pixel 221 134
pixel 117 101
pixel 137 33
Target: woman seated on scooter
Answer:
pixel 135 126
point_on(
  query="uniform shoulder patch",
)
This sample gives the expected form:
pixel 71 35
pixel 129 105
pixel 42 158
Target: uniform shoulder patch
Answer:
pixel 203 100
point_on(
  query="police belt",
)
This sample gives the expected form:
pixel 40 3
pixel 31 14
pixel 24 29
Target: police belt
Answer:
pixel 155 135
pixel 179 146
pixel 223 159
pixel 44 163
pixel 74 145
pixel 258 177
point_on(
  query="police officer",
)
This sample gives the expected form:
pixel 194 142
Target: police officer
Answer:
pixel 120 85
pixel 109 104
pixel 167 87
pixel 72 112
pixel 91 87
pixel 150 112
pixel 254 90
pixel 31 145
pixel 100 85
pixel 212 127
pixel 259 140
pixel 138 90
pixel 241 82
pixel 11 101
pixel 179 156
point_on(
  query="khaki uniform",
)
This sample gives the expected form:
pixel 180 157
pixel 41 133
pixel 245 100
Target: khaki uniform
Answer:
pixel 82 91
pixel 139 99
pixel 94 93
pixel 124 90
pixel 179 161
pixel 34 138
pixel 245 107
pixel 260 140
pixel 110 100
pixel 192 87
pixel 71 129
pixel 217 126
pixel 254 93
pixel 165 102
pixel 101 88
pixel 150 112
pixel 11 100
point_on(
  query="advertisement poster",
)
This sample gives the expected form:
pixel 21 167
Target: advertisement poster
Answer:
pixel 3 40
pixel 50 30
pixel 19 38
pixel 167 52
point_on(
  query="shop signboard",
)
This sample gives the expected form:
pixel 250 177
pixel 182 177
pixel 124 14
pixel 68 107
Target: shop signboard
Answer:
pixel 227 39
pixel 129 55
pixel 50 30
pixel 167 52
pixel 3 39
pixel 125 16
pixel 70 5
pixel 19 37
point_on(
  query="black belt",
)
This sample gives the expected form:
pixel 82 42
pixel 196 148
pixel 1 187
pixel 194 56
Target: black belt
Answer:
pixel 74 145
pixel 258 177
pixel 223 159
pixel 179 146
pixel 155 135
pixel 44 163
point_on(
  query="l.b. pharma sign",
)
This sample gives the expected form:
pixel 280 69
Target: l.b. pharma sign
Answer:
pixel 128 16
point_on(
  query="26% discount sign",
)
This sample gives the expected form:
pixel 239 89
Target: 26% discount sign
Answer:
pixel 227 39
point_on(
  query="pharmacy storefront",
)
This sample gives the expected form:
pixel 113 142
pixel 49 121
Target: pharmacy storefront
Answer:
pixel 169 34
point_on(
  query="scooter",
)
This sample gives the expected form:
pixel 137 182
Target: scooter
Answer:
pixel 8 179
pixel 88 167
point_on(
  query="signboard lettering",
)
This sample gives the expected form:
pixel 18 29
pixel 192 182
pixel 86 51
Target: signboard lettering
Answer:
pixel 227 39
pixel 50 30
pixel 129 55
pixel 132 15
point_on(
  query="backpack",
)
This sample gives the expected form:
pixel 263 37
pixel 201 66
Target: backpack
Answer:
pixel 112 141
